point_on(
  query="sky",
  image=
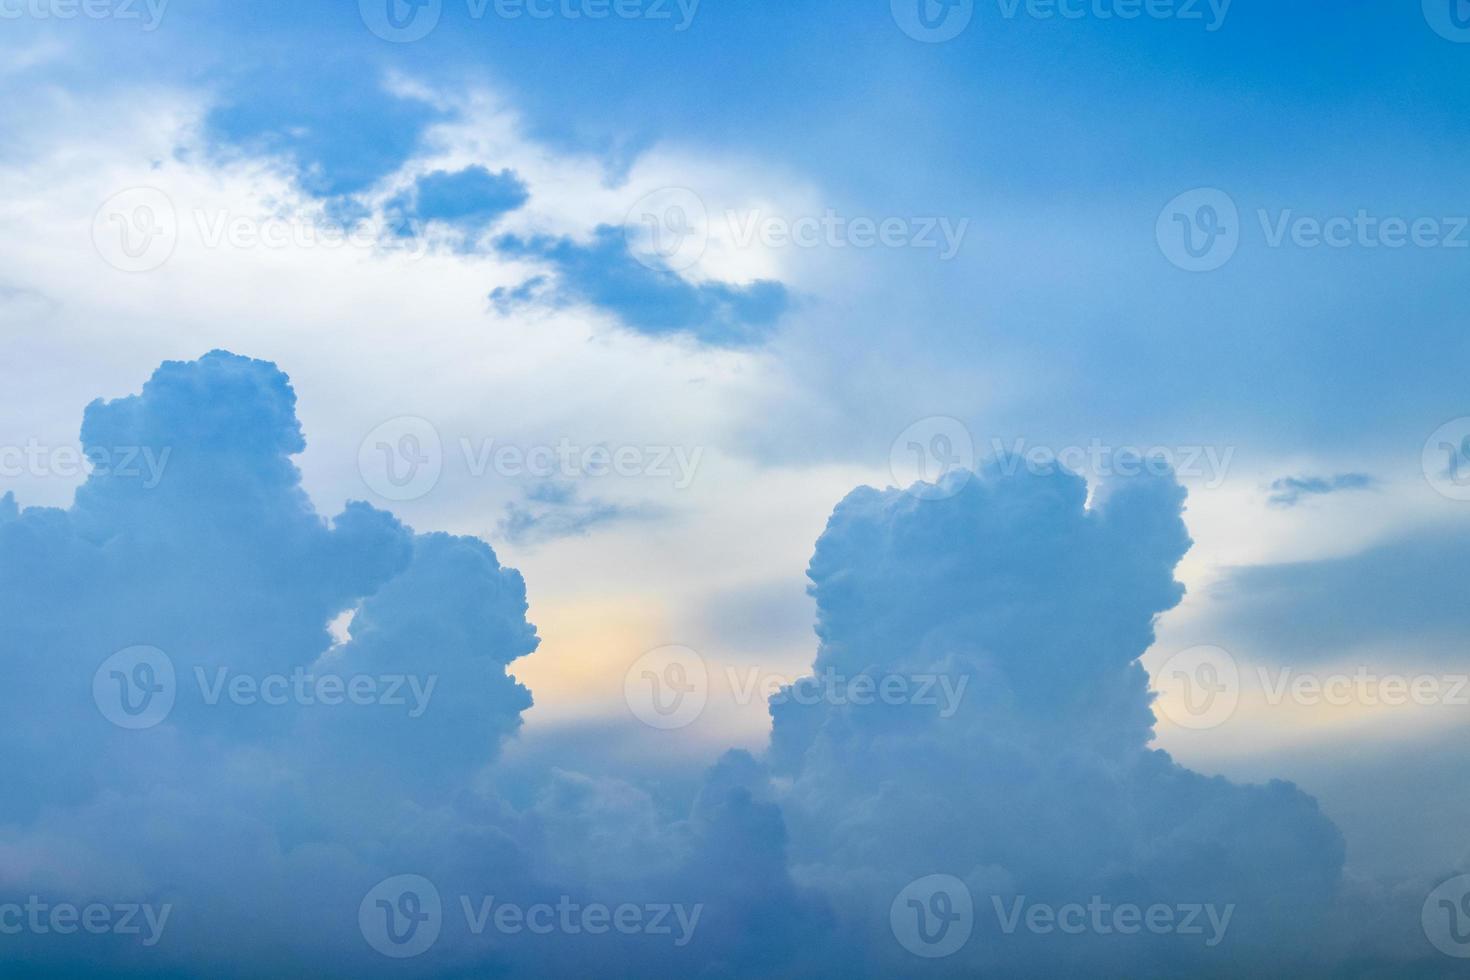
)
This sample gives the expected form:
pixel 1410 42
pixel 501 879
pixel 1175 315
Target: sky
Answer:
pixel 889 488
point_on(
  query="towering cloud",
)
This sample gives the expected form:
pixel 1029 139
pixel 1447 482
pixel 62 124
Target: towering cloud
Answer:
pixel 185 737
pixel 965 783
pixel 1035 782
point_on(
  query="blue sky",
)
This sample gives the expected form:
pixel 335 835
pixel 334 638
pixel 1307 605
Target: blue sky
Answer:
pixel 532 351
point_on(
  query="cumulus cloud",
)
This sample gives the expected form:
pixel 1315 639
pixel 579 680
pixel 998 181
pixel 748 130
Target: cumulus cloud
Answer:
pixel 155 761
pixel 1041 785
pixel 187 734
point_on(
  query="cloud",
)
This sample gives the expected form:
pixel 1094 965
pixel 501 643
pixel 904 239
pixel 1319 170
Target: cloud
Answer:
pixel 658 303
pixel 343 140
pixel 1041 783
pixel 1403 597
pixel 468 200
pixel 262 822
pixel 554 509
pixel 185 732
pixel 1289 491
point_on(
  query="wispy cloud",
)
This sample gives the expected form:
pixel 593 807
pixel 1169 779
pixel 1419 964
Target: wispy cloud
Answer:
pixel 555 509
pixel 1291 490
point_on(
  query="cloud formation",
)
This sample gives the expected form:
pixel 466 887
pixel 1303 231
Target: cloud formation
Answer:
pixel 1042 787
pixel 652 301
pixel 555 509
pixel 188 735
pixel 467 200
pixel 277 738
pixel 1290 490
